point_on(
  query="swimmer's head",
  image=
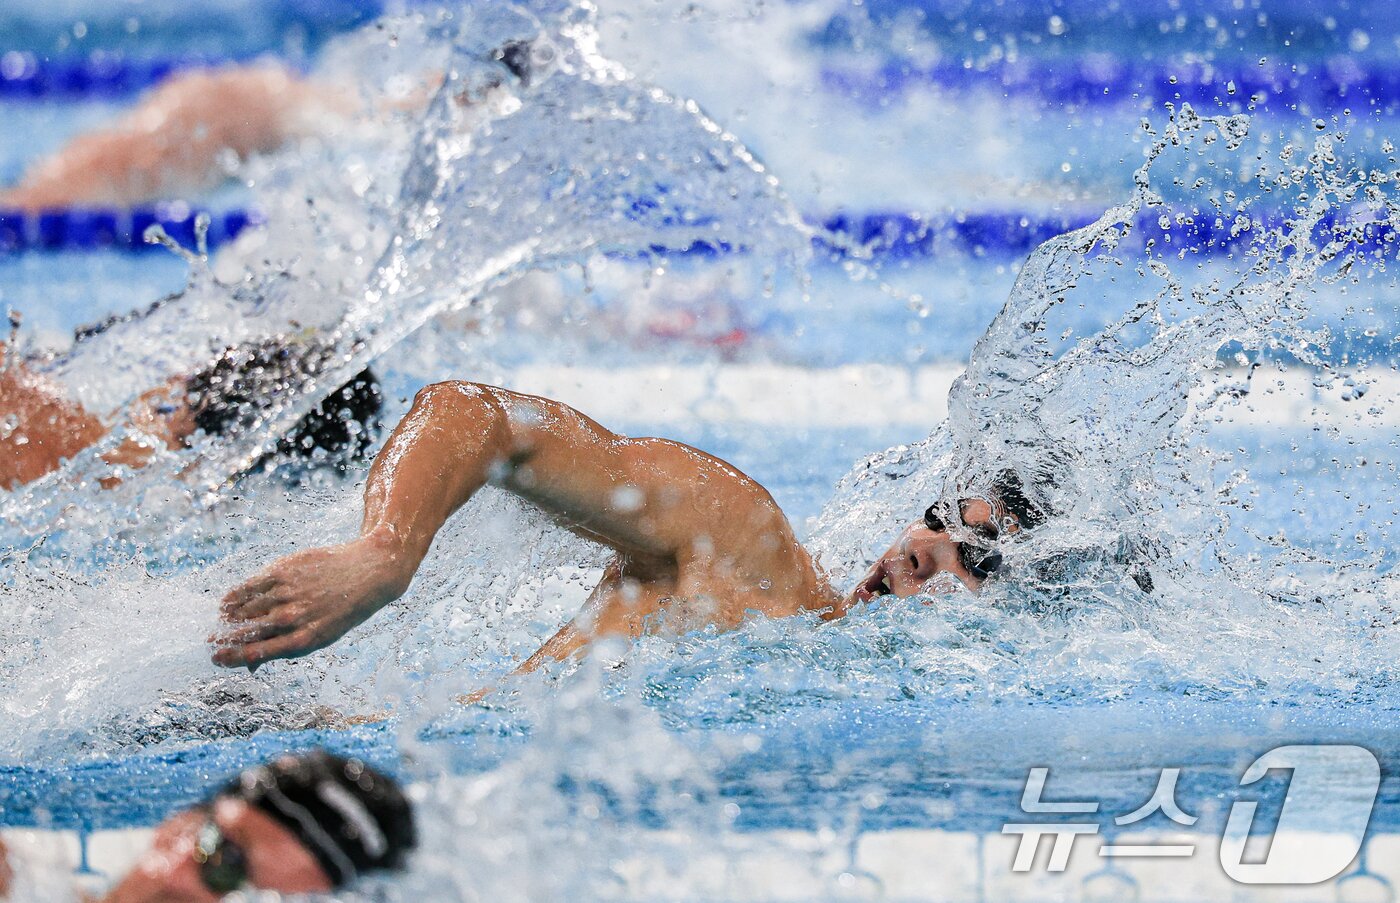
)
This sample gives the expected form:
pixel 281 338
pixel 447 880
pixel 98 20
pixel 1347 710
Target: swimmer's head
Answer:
pixel 349 817
pixel 304 824
pixel 233 391
pixel 931 548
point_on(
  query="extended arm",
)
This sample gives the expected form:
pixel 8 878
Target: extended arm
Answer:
pixel 171 140
pixel 652 500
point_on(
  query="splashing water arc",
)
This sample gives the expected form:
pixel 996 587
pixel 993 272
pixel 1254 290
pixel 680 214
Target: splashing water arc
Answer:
pixel 507 174
pixel 1124 431
pixel 582 160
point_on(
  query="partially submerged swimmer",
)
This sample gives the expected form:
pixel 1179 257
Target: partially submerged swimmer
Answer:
pixel 182 135
pixel 696 542
pixel 174 140
pixel 40 426
pixel 303 824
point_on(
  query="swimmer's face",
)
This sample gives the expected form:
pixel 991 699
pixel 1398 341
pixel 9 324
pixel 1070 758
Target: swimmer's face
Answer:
pixel 270 856
pixel 921 553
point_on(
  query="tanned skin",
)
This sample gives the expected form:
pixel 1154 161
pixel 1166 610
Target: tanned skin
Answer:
pixel 171 141
pixel 7 875
pixel 696 543
pixel 40 427
pixel 176 138
pixel 167 871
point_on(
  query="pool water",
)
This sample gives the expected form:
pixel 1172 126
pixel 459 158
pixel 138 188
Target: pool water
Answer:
pixel 876 759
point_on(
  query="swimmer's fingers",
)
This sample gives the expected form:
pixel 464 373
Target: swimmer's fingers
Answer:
pixel 258 606
pixel 245 592
pixel 251 655
pixel 246 632
pixel 474 697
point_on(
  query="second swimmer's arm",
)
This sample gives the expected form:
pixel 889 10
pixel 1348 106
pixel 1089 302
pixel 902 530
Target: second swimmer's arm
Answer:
pixel 171 140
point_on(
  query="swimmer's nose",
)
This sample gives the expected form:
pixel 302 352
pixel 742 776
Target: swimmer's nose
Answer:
pixel 918 554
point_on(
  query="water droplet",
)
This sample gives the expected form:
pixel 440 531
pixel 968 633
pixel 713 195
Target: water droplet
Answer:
pixel 628 498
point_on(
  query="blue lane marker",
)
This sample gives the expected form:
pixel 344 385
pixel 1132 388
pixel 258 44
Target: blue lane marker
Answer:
pixel 881 236
pixel 23 75
pixel 1092 78
pixel 115 230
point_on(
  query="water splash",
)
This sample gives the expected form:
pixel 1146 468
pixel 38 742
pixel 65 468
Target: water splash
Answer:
pixel 567 157
pixel 1130 434
pixel 520 164
pixel 1119 415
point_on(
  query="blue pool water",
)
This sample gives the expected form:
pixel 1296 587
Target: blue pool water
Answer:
pixel 1273 619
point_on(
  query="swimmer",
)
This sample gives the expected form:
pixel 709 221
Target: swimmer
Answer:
pixel 40 426
pixel 696 543
pixel 307 824
pixel 176 138
pixel 186 134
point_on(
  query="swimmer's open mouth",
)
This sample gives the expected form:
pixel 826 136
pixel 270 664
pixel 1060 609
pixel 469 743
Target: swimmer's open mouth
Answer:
pixel 876 584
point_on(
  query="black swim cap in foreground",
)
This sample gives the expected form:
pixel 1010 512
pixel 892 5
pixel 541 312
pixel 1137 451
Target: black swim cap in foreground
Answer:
pixel 352 818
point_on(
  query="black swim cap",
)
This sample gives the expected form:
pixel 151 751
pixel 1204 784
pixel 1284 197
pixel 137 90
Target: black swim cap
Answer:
pixel 233 391
pixel 1008 489
pixel 349 816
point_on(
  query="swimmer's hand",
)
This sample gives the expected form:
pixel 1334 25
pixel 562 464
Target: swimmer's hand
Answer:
pixel 307 600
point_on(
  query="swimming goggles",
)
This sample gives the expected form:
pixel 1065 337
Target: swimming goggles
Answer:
pixel 980 561
pixel 223 866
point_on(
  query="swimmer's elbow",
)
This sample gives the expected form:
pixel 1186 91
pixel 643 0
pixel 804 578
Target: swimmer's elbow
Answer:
pixel 465 408
pixel 458 398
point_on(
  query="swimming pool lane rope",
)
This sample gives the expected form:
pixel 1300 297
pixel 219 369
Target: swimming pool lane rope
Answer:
pixel 1091 78
pixel 877 235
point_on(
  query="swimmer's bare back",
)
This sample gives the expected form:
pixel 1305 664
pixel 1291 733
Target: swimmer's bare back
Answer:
pixel 694 539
